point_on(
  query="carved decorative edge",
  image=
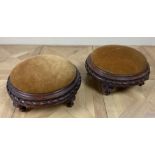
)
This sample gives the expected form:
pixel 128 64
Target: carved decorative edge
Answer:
pixel 109 82
pixel 26 101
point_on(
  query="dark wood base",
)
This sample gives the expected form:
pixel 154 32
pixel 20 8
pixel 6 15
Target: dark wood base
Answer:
pixel 108 82
pixel 26 101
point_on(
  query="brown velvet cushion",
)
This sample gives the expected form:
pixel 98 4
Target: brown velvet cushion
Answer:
pixel 43 74
pixel 119 60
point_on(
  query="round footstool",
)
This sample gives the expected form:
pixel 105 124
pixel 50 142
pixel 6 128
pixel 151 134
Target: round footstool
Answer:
pixel 115 66
pixel 43 80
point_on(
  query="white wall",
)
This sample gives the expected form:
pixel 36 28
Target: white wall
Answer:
pixel 78 40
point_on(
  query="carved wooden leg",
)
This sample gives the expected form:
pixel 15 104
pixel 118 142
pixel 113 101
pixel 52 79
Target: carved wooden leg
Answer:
pixel 106 89
pixel 71 102
pixel 23 108
pixel 141 83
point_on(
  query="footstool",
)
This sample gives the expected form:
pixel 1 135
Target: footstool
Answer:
pixel 115 66
pixel 43 80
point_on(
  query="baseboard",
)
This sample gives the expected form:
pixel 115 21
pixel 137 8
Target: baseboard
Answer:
pixel 77 40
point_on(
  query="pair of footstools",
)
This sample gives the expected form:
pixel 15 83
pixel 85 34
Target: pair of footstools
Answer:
pixel 49 79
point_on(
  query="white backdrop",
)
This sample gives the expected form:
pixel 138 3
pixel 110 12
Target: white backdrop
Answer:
pixel 78 40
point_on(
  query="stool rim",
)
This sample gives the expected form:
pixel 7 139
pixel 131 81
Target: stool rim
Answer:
pixel 109 75
pixel 42 96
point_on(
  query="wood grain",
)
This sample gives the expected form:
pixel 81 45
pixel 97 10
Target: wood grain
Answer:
pixel 133 102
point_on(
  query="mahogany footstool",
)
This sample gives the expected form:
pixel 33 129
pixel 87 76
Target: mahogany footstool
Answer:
pixel 43 80
pixel 115 66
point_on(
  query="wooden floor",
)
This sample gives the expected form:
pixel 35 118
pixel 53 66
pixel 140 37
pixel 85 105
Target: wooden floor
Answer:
pixel 133 102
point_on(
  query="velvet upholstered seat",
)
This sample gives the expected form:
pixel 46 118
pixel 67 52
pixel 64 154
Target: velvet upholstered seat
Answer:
pixel 120 60
pixel 43 74
pixel 41 77
pixel 117 66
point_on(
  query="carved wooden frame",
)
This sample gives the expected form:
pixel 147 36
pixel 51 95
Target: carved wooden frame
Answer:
pixel 27 101
pixel 109 81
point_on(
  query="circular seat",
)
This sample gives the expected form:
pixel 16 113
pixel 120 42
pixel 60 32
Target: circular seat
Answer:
pixel 44 79
pixel 117 66
pixel 119 60
pixel 43 74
